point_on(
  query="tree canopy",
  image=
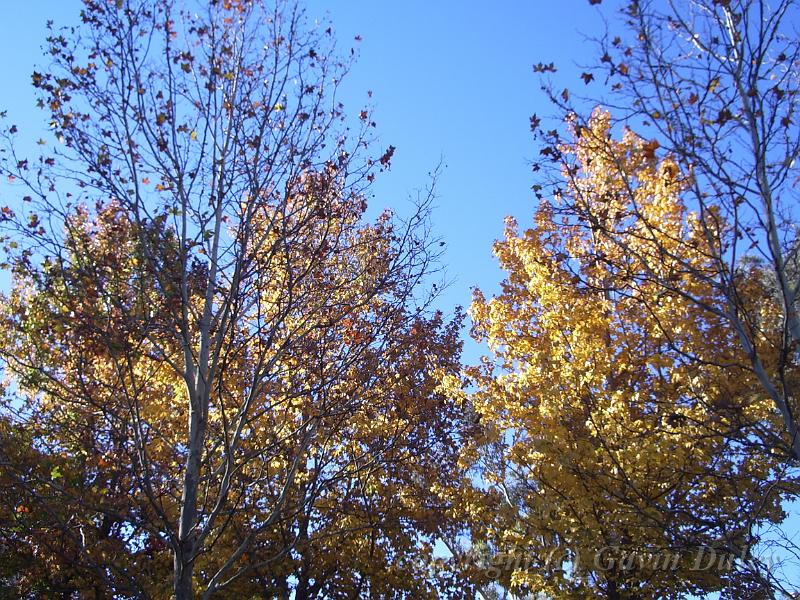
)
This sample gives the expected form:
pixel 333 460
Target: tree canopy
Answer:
pixel 227 375
pixel 622 431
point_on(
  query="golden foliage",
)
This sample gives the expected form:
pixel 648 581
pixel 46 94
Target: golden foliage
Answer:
pixel 616 415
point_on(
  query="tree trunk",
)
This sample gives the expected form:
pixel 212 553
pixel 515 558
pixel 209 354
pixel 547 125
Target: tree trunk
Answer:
pixel 184 556
pixel 183 579
pixel 611 590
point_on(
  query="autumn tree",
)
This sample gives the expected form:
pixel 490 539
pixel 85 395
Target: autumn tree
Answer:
pixel 715 83
pixel 222 377
pixel 620 431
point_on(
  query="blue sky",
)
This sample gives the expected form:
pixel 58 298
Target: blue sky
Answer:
pixel 454 80
pixel 450 81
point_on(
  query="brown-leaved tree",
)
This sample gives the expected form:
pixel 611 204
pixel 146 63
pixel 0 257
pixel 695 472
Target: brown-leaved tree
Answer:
pixel 222 375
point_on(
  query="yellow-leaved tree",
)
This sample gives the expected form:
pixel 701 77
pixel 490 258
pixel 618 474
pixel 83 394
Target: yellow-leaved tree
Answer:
pixel 622 438
pixel 222 373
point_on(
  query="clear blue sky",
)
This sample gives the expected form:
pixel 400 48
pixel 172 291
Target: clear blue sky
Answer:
pixel 450 80
pixel 454 80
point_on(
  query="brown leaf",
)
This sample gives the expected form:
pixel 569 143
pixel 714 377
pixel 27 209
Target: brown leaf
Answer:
pixel 386 159
pixel 650 148
pixel 544 68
